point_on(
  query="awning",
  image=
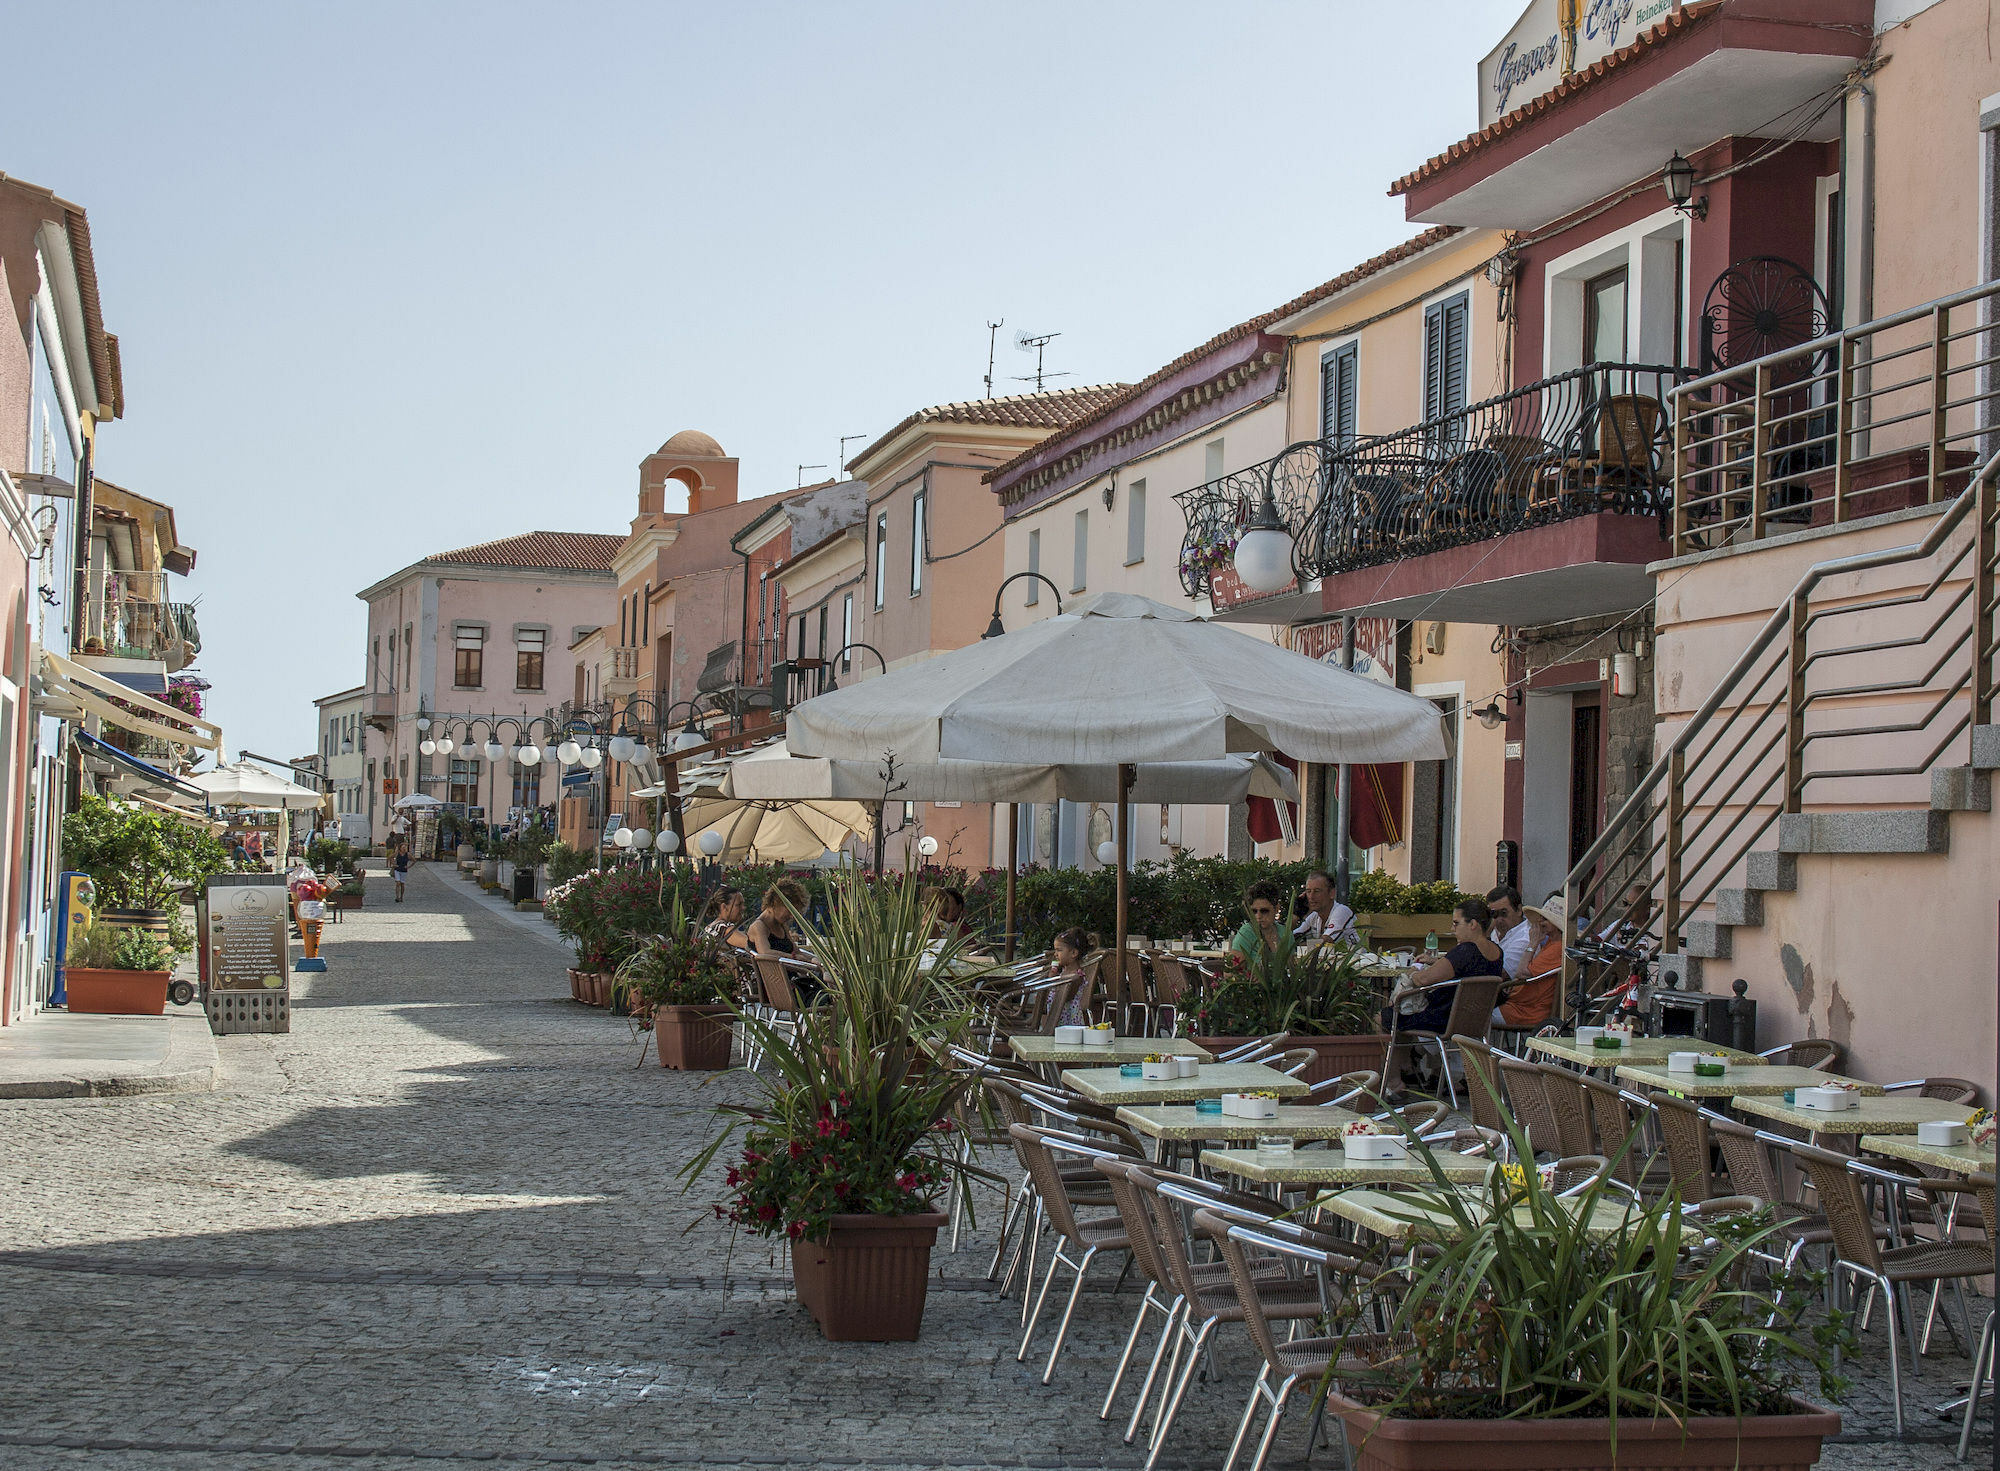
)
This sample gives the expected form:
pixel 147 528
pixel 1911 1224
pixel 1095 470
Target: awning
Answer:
pixel 164 780
pixel 147 676
pixel 95 690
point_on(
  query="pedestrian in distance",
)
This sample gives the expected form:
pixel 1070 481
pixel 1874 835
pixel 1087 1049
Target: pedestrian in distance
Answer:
pixel 402 871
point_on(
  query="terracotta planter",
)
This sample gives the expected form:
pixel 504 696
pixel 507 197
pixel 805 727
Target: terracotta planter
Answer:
pixel 343 901
pixel 1756 1443
pixel 116 992
pixel 692 1039
pixel 600 988
pixel 868 1282
pixel 1334 1055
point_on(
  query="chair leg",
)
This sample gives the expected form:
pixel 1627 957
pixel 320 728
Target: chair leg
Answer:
pixel 1249 1416
pixel 1040 1298
pixel 1982 1369
pixel 1168 1334
pixel 1146 1305
pixel 1016 1204
pixel 1195 1352
pixel 1069 1311
pixel 1890 1315
pixel 1271 1426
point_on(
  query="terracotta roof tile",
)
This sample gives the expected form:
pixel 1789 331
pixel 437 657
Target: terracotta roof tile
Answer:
pixel 1055 408
pixel 565 551
pixel 1077 431
pixel 1575 85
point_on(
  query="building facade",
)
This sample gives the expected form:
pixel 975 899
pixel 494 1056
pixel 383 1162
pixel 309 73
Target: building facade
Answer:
pixel 343 761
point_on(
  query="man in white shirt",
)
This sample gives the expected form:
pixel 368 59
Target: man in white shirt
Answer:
pixel 1326 918
pixel 1511 931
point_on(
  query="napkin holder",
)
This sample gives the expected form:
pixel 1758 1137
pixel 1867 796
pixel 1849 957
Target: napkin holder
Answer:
pixel 1098 1036
pixel 1682 1062
pixel 1376 1148
pixel 1587 1036
pixel 1156 1071
pixel 1943 1132
pixel 1070 1036
pixel 1825 1100
pixel 1186 1067
pixel 1243 1106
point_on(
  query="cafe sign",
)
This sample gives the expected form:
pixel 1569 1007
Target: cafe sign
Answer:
pixel 1374 645
pixel 1554 39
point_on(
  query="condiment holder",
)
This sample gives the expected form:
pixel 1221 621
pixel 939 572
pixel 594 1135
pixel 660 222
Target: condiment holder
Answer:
pixel 1376 1147
pixel 1682 1062
pixel 1099 1036
pixel 1070 1036
pixel 1249 1106
pixel 1157 1071
pixel 1943 1132
pixel 1186 1067
pixel 1825 1100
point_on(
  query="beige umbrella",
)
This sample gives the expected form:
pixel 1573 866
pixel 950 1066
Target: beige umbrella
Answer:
pixel 774 832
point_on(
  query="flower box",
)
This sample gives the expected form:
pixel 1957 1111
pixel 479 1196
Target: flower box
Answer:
pixel 116 992
pixel 867 1283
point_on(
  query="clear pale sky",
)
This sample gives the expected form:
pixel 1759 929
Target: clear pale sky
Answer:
pixel 391 279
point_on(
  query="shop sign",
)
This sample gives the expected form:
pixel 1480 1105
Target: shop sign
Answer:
pixel 249 939
pixel 1374 645
pixel 392 786
pixel 1552 40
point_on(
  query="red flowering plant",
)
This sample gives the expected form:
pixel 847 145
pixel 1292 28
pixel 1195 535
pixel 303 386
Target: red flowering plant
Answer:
pixel 857 1107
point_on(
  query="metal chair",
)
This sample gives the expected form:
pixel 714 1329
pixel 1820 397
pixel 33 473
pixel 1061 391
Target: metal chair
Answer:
pixel 1258 1050
pixel 1347 1088
pixel 1684 1131
pixel 1948 1090
pixel 1483 1096
pixel 1162 1297
pixel 1563 1091
pixel 1079 1239
pixel 1471 1016
pixel 1294 1061
pixel 1821 1054
pixel 1527 1095
pixel 1982 1359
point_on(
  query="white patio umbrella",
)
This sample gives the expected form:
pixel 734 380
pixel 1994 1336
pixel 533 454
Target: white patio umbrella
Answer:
pixel 774 832
pixel 418 799
pixel 239 784
pixel 1120 679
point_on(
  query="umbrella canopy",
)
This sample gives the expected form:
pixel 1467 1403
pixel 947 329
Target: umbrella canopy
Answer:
pixel 239 784
pixel 774 832
pixel 772 773
pixel 1120 678
pixel 418 799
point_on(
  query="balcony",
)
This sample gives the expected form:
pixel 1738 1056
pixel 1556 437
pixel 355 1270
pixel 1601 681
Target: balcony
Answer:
pixel 1572 474
pixel 133 629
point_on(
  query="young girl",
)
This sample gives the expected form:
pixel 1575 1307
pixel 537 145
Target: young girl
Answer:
pixel 1069 947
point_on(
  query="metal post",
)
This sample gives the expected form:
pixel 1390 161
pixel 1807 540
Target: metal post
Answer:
pixel 1940 397
pixel 1984 502
pixel 1670 933
pixel 1843 462
pixel 1013 868
pixel 1343 806
pixel 670 777
pixel 1760 447
pixel 1127 775
pixel 1795 705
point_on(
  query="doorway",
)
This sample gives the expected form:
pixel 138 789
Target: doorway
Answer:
pixel 1434 805
pixel 1585 780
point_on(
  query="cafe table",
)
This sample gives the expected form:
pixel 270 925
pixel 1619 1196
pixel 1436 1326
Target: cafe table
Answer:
pixel 1899 1115
pixel 1961 1159
pixel 1110 1087
pixel 1762 1081
pixel 1333 1167
pixel 1041 1051
pixel 1640 1050
pixel 1183 1123
pixel 1400 1215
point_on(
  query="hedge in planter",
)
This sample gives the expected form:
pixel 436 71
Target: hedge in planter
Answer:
pixel 1548 1343
pixel 842 1156
pixel 1318 999
pixel 682 980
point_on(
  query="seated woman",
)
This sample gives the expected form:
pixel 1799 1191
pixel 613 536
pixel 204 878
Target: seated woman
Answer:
pixel 1069 948
pixel 1263 938
pixel 728 907
pixel 1533 1002
pixel 950 924
pixel 1436 985
pixel 771 932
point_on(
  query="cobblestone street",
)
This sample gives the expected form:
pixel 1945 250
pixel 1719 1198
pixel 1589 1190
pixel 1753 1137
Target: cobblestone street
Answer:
pixel 439 1220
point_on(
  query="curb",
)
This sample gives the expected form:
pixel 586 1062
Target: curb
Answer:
pixel 192 1065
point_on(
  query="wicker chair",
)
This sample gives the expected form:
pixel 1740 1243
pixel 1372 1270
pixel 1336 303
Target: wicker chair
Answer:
pixel 1821 1054
pixel 1471 1016
pixel 1982 1359
pixel 1527 1095
pixel 1483 1095
pixel 1684 1131
pixel 1162 1297
pixel 1079 1239
pixel 1563 1089
pixel 1618 1119
pixel 1949 1090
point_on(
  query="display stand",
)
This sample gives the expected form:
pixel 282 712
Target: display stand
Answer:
pixel 246 944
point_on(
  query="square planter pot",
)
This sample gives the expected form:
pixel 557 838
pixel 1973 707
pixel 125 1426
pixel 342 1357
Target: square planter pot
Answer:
pixel 693 1039
pixel 868 1282
pixel 116 992
pixel 1755 1443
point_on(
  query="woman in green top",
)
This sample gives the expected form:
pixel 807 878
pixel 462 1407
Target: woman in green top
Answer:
pixel 1263 937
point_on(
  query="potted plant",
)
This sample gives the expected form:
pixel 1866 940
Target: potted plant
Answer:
pixel 684 979
pixel 347 894
pixel 1529 1334
pixel 140 861
pixel 119 971
pixel 1319 1000
pixel 849 1149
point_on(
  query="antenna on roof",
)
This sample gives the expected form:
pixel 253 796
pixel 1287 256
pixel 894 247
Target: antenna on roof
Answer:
pixel 992 336
pixel 802 474
pixel 843 450
pixel 1036 344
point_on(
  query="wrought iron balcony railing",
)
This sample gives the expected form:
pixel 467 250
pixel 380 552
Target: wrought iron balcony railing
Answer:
pixel 1592 439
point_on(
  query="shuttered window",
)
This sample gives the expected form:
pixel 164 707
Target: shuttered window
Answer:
pixel 918 505
pixel 881 556
pixel 468 670
pixel 1339 395
pixel 529 646
pixel 1445 332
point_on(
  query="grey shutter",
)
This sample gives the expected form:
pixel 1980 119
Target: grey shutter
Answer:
pixel 1339 380
pixel 1446 325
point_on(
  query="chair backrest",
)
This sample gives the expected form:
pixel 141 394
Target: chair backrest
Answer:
pixel 1230 1246
pixel 1567 1102
pixel 1037 1150
pixel 1295 1061
pixel 1528 1098
pixel 1821 1054
pixel 1479 1142
pixel 1626 426
pixel 1482 1084
pixel 1426 1114
pixel 1254 1051
pixel 1982 1187
pixel 1840 1198
pixel 1169 1233
pixel 1684 1131
pixel 1949 1090
pixel 1169 980
pixel 1472 1008
pixel 1745 1155
pixel 1616 1125
pixel 1135 1210
pixel 777 985
pixel 1569 1175
pixel 1357 1090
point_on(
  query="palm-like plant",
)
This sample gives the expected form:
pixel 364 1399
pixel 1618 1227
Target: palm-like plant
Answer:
pixel 1322 993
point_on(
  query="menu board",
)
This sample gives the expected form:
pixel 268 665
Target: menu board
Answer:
pixel 249 939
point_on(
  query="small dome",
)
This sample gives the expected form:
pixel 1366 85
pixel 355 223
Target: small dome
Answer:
pixel 692 444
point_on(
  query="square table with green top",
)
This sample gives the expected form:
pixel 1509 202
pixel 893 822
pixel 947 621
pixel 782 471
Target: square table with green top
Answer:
pixel 1959 1159
pixel 1333 1167
pixel 1182 1123
pixel 1640 1051
pixel 1041 1051
pixel 1401 1214
pixel 1899 1115
pixel 1108 1086
pixel 1763 1081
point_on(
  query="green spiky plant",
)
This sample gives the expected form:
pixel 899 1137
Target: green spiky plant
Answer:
pixel 856 1111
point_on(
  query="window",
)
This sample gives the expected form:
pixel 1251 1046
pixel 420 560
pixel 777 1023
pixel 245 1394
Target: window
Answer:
pixel 823 649
pixel 624 611
pixel 846 631
pixel 527 786
pixel 918 536
pixel 529 645
pixel 1034 565
pixel 1445 327
pixel 392 660
pixel 469 664
pixel 645 618
pixel 1080 570
pixel 1339 385
pixel 763 616
pixel 1212 460
pixel 1604 318
pixel 464 782
pixel 881 557
pixel 1135 523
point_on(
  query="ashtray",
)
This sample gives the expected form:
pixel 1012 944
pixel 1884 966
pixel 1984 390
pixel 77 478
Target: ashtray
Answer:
pixel 1208 1105
pixel 1131 1070
pixel 1710 1069
pixel 1607 1044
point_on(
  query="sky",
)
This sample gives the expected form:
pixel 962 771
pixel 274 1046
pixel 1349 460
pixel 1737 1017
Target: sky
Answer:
pixel 393 279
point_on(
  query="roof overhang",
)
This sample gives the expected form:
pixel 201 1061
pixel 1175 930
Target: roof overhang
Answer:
pixel 1753 69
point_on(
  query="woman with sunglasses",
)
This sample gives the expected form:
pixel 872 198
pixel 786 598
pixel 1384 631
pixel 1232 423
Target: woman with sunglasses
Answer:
pixel 1264 937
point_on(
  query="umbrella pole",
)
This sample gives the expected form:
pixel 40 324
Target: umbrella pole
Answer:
pixel 1013 863
pixel 1343 807
pixel 1127 775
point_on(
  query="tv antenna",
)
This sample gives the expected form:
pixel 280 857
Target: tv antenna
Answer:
pixel 992 337
pixel 845 440
pixel 802 474
pixel 1036 345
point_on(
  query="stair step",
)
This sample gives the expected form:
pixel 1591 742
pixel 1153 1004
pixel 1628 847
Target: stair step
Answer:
pixel 1961 789
pixel 1771 872
pixel 1705 939
pixel 1897 830
pixel 1739 906
pixel 1986 747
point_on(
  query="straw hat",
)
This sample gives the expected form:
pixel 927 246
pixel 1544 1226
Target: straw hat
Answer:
pixel 1554 910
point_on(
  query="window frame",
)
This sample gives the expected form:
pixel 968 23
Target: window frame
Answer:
pixel 1035 566
pixel 881 559
pixel 1079 572
pixel 919 533
pixel 1340 392
pixel 1135 522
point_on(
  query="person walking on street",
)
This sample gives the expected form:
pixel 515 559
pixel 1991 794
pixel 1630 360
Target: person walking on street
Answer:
pixel 402 871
